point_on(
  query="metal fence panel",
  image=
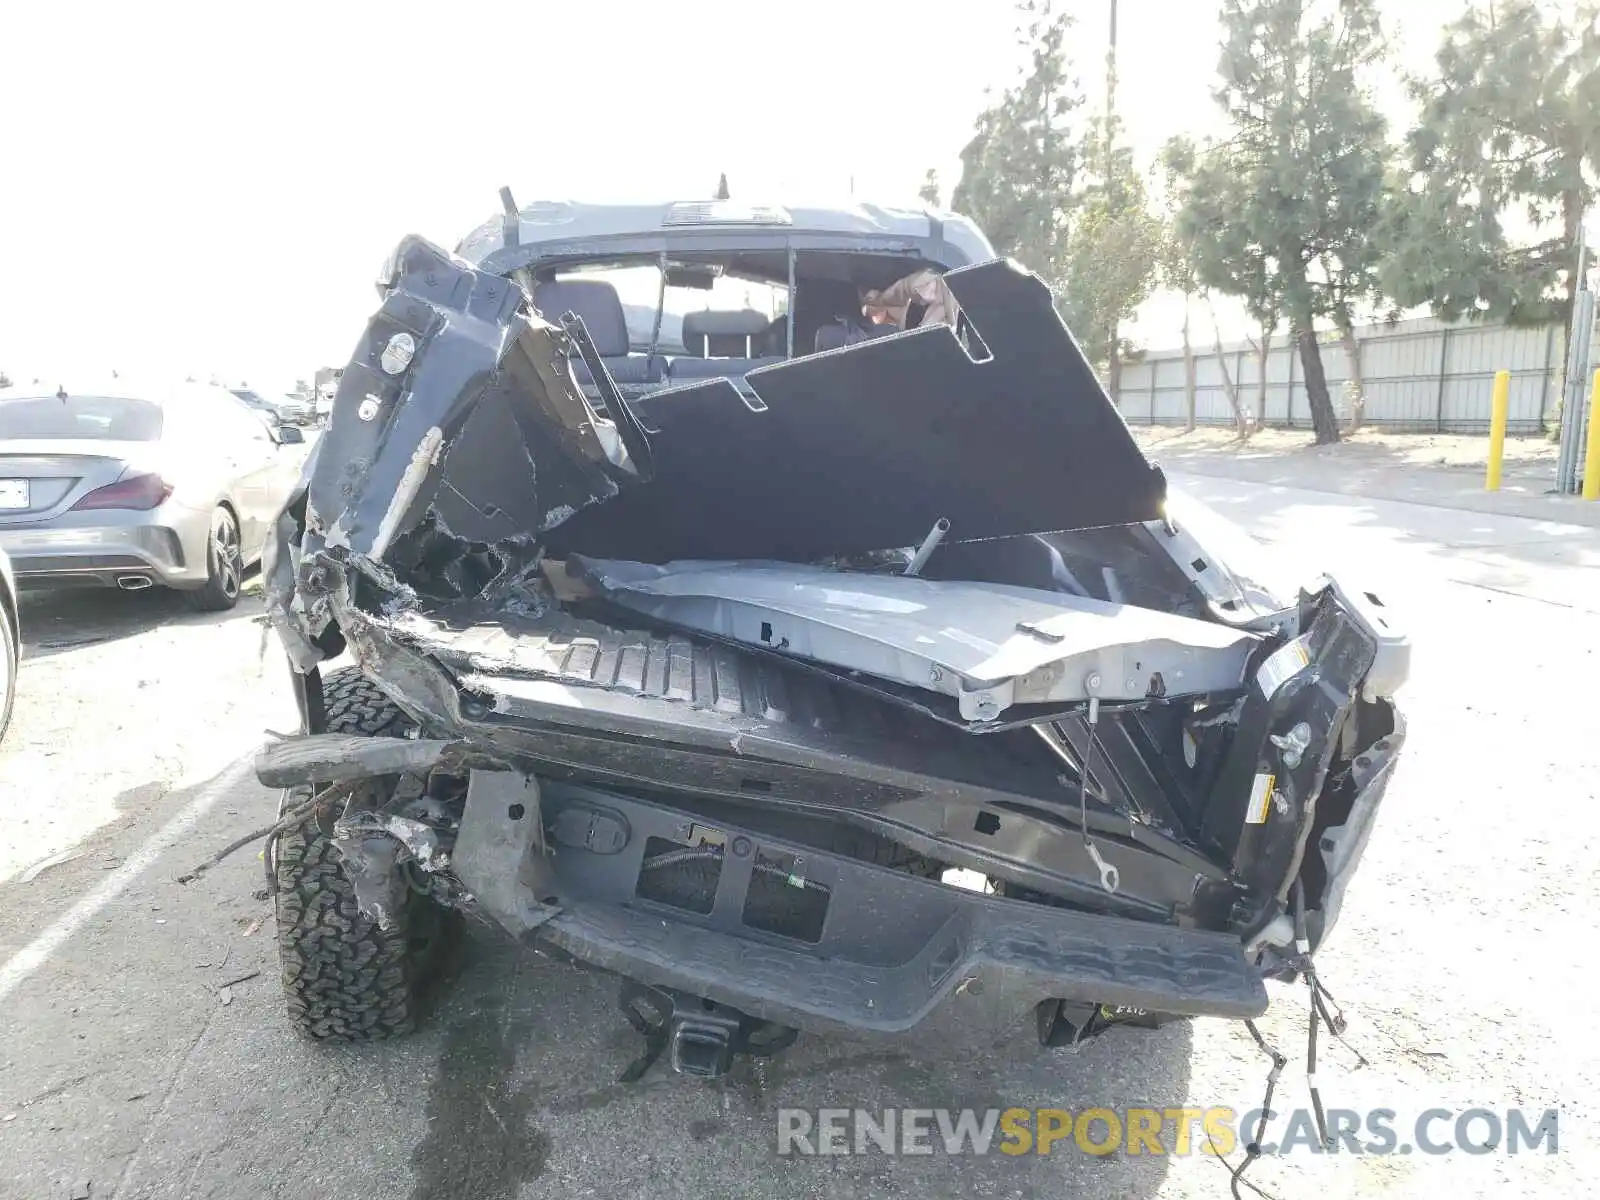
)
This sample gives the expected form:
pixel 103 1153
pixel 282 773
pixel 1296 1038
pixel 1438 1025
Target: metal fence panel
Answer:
pixel 1416 375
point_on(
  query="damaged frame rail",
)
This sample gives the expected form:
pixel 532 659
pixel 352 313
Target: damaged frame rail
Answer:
pixel 727 735
pixel 563 864
pixel 532 854
pixel 547 851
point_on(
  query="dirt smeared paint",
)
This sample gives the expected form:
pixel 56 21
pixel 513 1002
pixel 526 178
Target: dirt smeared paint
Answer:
pixel 481 1143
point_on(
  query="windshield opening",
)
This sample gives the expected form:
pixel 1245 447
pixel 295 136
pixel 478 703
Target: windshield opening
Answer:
pixel 639 288
pixel 749 291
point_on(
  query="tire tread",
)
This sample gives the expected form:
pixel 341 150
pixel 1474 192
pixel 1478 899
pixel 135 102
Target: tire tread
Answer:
pixel 344 977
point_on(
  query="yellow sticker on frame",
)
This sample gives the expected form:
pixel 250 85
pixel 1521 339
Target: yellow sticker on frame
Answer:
pixel 1260 799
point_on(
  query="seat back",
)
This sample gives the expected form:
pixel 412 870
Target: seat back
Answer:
pixel 597 302
pixel 734 334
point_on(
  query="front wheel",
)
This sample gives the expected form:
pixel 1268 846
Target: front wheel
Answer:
pixel 224 565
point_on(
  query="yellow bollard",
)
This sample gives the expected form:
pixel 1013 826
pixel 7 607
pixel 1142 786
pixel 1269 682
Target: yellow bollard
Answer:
pixel 1497 428
pixel 1591 460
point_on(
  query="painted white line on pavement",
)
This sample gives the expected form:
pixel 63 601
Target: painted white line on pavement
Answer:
pixel 32 956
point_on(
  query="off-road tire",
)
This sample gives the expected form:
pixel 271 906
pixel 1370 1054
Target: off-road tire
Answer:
pixel 352 703
pixel 345 978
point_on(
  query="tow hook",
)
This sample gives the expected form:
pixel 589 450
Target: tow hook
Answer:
pixel 701 1037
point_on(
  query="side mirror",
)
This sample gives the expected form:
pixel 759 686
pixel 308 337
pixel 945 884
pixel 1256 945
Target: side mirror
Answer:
pixel 290 435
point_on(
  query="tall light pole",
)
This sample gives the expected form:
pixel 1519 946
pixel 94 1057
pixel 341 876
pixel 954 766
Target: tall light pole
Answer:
pixel 1113 189
pixel 1111 80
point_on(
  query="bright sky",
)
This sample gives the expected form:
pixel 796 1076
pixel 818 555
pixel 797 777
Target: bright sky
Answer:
pixel 210 188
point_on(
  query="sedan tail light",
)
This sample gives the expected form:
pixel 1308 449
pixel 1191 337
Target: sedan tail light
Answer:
pixel 134 491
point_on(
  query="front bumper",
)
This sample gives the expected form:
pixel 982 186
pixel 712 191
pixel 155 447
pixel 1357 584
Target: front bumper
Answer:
pixel 862 947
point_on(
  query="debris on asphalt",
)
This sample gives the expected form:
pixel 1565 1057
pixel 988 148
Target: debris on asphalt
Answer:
pixel 79 1190
pixel 57 1089
pixel 251 928
pixel 240 978
pixel 286 822
pixel 55 860
pixel 225 996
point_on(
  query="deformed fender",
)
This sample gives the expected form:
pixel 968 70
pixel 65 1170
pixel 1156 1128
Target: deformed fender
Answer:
pixel 445 340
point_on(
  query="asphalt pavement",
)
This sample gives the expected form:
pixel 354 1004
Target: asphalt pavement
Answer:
pixel 144 1052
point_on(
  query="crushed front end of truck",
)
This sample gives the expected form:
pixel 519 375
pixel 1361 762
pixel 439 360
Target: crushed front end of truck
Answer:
pixel 890 692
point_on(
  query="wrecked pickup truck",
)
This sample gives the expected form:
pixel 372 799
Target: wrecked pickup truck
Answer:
pixel 877 688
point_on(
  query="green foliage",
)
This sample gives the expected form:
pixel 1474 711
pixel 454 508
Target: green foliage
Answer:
pixel 1061 197
pixel 1113 248
pixel 1283 212
pixel 1175 261
pixel 1018 170
pixel 1510 126
pixel 929 191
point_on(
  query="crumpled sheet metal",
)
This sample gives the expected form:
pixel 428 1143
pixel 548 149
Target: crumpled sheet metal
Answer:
pixel 371 484
pixel 987 645
pixel 445 475
pixel 391 431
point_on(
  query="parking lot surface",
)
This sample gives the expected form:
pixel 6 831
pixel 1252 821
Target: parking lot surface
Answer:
pixel 144 1053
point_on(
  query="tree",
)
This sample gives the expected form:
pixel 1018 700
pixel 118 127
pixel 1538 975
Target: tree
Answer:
pixel 1263 349
pixel 1225 257
pixel 1284 211
pixel 1018 170
pixel 1175 266
pixel 1114 244
pixel 1175 269
pixel 5 380
pixel 1065 202
pixel 1229 387
pixel 1112 252
pixel 1510 125
pixel 929 191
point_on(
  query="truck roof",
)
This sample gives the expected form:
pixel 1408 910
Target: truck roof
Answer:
pixel 551 230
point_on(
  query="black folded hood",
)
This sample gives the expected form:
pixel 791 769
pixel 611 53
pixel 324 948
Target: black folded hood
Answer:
pixel 460 447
